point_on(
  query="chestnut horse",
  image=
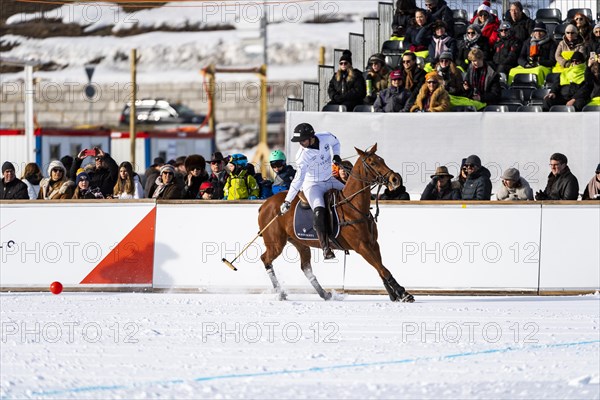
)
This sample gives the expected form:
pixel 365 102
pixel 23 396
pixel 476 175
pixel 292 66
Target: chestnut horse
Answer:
pixel 358 227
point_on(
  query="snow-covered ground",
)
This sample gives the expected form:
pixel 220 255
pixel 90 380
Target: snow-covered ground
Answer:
pixel 97 345
pixel 293 44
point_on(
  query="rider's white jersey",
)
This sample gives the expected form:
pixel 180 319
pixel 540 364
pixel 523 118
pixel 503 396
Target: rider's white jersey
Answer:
pixel 313 166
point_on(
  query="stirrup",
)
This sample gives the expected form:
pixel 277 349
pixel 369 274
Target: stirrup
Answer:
pixel 328 253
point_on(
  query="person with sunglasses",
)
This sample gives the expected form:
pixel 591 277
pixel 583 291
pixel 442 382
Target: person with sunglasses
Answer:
pixel 572 42
pixel 441 42
pixel 284 173
pixel 56 186
pixel 478 185
pixel 506 49
pixel 472 39
pixel 451 76
pixel 488 23
pixel 195 167
pixel 414 77
pixel 538 50
pixel 395 97
pixel 571 89
pixel 583 25
pixel 377 77
pixel 432 96
pixel 164 186
pixel 347 86
pixel 105 172
pixel 218 174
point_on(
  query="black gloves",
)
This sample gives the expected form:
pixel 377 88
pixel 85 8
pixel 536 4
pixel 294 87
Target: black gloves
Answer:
pixel 337 160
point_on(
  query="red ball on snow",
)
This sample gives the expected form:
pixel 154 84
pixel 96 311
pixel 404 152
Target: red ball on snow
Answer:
pixel 56 287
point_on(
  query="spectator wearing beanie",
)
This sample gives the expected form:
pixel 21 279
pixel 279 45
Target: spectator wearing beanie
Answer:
pixel 164 186
pixel 472 39
pixel 56 186
pixel 440 42
pixel 487 22
pixel 538 49
pixel 571 43
pixel 451 76
pixel 83 189
pixel 378 74
pixel 506 49
pixel 12 188
pixel 478 185
pixel 347 86
pixel 514 187
pixel 395 97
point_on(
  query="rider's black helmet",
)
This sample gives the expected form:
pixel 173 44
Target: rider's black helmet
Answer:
pixel 302 132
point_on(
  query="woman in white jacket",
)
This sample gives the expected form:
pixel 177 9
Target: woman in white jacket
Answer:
pixel 128 184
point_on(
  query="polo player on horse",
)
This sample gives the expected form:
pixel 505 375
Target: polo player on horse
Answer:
pixel 313 176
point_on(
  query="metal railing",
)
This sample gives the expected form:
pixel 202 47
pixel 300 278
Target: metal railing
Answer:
pixel 325 74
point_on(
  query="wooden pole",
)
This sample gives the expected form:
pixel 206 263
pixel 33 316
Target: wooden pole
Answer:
pixel 322 55
pixel 132 108
pixel 262 153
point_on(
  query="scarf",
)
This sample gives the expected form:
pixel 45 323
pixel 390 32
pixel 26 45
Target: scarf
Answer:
pixel 440 45
pixel 535 44
pixel 409 79
pixel 594 188
pixel 161 187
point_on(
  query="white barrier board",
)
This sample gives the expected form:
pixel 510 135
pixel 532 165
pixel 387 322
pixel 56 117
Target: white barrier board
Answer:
pixel 192 239
pixel 570 247
pixel 474 247
pixel 76 243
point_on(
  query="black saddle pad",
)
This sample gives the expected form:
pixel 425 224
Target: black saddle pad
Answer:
pixel 303 223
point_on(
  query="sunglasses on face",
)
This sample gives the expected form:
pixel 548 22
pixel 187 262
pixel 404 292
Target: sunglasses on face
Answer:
pixel 406 61
pixel 571 33
pixel 57 170
pixel 209 191
pixel 343 63
pixel 276 164
pixel 503 30
pixel 470 33
pixel 469 166
pixel 167 173
pixel 432 82
pixel 579 19
pixel 83 179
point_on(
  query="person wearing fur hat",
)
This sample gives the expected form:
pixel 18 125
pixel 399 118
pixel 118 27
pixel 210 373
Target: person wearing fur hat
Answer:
pixel 472 39
pixel 195 165
pixel 432 97
pixel 506 49
pixel 57 186
pixel 522 25
pixel 572 42
pixel 12 188
pixel 440 42
pixel 378 74
pixel 438 10
pixel 571 89
pixel 478 185
pixel 83 189
pixel 104 174
pixel 481 83
pixel 347 86
pixel 164 186
pixel 538 49
pixel 514 186
pixel 395 97
pixel 450 75
pixel 592 190
pixel 440 187
pixel 488 23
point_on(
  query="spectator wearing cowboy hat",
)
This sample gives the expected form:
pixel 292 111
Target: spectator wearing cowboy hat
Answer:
pixel 514 186
pixel 440 187
pixel 218 176
pixel 195 166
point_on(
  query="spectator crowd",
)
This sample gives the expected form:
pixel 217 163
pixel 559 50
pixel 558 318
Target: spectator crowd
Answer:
pixel 441 69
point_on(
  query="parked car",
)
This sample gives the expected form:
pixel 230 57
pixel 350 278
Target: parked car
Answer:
pixel 159 111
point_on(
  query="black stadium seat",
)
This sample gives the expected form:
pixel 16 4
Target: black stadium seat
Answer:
pixel 585 11
pixel 590 108
pixel 551 79
pixel 335 108
pixel 461 22
pixel 562 108
pixel 464 109
pixel 537 96
pixel 536 108
pixel 549 15
pixel 497 108
pixel 364 108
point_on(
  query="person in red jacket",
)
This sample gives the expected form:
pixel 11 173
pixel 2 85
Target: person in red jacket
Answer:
pixel 488 23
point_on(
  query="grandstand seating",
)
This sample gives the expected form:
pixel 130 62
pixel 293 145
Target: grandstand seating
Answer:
pixel 589 108
pixel 464 109
pixel 562 108
pixel 529 108
pixel 461 22
pixel 585 11
pixel 552 17
pixel 497 108
pixel 364 108
pixel 559 32
pixel 335 108
pixel 537 96
pixel 551 79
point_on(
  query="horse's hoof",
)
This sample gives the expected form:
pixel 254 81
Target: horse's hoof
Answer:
pixel 407 298
pixel 327 296
pixel 281 296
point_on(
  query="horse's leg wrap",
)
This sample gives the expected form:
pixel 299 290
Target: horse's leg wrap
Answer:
pixel 315 283
pixel 397 292
pixel 321 229
pixel 275 282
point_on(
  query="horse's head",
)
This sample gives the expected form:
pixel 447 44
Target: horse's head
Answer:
pixel 376 170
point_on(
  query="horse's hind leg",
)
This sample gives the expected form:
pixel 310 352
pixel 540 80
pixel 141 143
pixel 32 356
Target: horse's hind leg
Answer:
pixel 273 251
pixel 308 272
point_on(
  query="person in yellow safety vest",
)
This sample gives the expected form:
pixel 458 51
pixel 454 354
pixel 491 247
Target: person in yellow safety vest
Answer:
pixel 571 89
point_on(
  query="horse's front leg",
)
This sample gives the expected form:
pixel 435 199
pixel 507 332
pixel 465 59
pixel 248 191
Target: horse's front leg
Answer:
pixel 371 253
pixel 274 249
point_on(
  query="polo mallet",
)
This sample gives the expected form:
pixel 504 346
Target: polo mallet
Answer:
pixel 230 264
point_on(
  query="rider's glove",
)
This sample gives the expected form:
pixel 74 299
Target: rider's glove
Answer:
pixel 285 207
pixel 337 160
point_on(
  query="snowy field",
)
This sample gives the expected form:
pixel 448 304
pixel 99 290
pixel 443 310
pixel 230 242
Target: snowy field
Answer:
pixel 103 345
